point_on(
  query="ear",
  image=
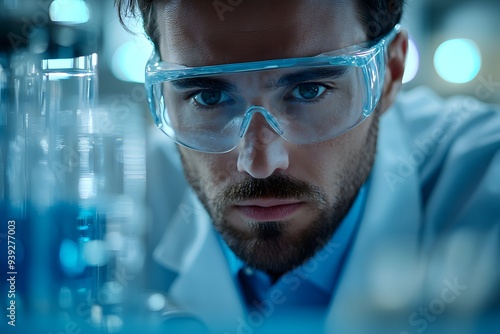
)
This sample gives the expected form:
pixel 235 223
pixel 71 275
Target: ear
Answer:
pixel 394 70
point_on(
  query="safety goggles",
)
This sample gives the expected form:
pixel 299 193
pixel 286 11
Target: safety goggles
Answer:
pixel 304 100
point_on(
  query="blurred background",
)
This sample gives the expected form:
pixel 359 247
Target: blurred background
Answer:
pixel 455 47
pixel 74 171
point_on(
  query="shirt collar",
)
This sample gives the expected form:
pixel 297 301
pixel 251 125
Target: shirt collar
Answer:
pixel 329 259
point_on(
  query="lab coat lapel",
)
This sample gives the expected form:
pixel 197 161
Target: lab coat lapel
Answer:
pixel 382 271
pixel 205 286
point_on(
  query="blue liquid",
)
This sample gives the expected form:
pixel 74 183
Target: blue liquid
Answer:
pixel 49 285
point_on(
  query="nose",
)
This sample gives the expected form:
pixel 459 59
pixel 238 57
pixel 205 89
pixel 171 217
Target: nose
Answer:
pixel 262 150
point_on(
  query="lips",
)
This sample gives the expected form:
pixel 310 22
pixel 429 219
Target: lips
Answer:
pixel 268 210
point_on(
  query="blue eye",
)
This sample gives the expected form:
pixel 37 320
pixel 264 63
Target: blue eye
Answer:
pixel 308 91
pixel 210 98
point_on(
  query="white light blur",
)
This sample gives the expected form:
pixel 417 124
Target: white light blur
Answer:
pixel 87 187
pixel 114 323
pixel 114 241
pixel 133 254
pixel 63 63
pixel 412 62
pixel 156 302
pixel 95 253
pixel 96 314
pixel 458 60
pixel 69 11
pixel 129 60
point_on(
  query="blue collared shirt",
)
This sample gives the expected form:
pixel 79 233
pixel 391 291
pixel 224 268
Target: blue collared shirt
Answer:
pixel 311 284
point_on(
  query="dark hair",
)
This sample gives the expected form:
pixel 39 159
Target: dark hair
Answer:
pixel 378 16
pixel 143 9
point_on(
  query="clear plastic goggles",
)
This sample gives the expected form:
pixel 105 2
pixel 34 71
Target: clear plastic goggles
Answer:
pixel 305 100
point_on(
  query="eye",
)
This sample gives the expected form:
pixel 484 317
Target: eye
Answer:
pixel 210 98
pixel 308 91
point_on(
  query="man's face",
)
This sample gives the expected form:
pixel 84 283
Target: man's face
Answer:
pixel 274 203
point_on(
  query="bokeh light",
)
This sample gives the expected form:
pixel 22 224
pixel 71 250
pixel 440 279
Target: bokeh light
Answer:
pixel 156 302
pixel 69 257
pixel 458 60
pixel 412 62
pixel 129 60
pixel 94 253
pixel 69 11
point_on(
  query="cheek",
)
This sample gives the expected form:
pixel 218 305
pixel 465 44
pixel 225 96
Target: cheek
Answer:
pixel 325 163
pixel 320 165
pixel 221 171
pixel 213 171
pixel 351 144
pixel 327 159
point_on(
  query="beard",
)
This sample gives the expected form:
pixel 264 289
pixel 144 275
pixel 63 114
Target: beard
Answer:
pixel 270 246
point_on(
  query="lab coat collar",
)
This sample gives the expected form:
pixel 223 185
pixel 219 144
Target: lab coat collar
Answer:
pixel 382 272
pixel 204 286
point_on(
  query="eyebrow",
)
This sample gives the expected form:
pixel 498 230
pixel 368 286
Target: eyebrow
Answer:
pixel 308 75
pixel 205 83
pixel 286 80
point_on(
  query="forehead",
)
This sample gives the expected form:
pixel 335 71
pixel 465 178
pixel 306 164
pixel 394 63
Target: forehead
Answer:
pixel 201 32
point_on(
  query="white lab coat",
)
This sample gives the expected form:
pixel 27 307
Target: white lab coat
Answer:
pixel 429 238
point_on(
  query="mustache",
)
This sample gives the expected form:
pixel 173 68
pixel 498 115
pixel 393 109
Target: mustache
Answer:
pixel 275 186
